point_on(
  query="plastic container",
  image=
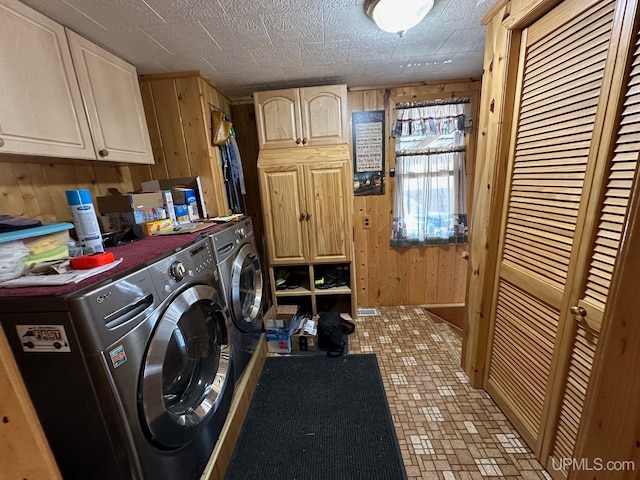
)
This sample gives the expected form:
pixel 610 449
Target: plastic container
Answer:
pixel 85 220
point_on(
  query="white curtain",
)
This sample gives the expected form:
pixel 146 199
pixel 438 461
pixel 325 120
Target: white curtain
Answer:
pixel 430 196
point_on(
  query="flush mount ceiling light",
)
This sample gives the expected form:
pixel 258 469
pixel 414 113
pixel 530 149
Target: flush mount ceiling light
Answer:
pixel 397 17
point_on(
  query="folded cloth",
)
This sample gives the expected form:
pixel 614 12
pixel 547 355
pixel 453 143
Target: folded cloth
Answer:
pixel 54 254
pixel 9 223
pixel 11 256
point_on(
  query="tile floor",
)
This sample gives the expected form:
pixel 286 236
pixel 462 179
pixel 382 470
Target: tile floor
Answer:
pixel 446 429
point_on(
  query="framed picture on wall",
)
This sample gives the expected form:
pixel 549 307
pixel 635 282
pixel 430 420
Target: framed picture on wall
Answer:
pixel 368 130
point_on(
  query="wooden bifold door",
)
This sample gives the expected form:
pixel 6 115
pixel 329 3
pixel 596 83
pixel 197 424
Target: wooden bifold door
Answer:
pixel 573 156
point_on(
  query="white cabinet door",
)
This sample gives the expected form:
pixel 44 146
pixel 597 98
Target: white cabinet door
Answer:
pixel 41 111
pixel 112 99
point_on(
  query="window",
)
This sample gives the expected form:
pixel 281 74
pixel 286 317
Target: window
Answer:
pixel 430 197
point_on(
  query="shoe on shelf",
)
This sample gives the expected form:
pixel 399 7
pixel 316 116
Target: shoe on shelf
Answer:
pixel 293 281
pixel 281 278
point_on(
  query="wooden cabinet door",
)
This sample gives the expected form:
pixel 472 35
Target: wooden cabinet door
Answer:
pixel 278 118
pixel 324 115
pixel 567 57
pixel 329 213
pixel 41 109
pixel 111 95
pixel 284 208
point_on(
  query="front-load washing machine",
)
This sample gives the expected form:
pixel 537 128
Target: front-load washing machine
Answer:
pixel 241 273
pixel 131 379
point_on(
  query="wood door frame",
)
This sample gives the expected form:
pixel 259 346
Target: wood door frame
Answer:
pixel 485 225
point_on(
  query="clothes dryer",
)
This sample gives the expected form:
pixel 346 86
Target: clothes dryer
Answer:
pixel 131 379
pixel 241 274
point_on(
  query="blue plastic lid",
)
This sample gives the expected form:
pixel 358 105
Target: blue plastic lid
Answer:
pixel 78 197
pixel 35 231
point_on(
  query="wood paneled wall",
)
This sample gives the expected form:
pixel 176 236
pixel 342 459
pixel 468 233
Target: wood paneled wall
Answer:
pixel 36 190
pixel 406 276
pixel 244 123
pixel 178 117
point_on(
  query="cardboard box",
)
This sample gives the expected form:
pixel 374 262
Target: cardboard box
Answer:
pixel 183 182
pixel 150 228
pixel 279 326
pixel 115 202
pixel 183 196
pixel 305 337
pixel 167 198
pixel 119 212
pixel 182 214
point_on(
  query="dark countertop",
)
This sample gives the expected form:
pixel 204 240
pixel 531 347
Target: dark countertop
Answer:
pixel 134 255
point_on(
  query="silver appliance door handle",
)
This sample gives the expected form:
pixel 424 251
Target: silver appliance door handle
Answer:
pixel 126 313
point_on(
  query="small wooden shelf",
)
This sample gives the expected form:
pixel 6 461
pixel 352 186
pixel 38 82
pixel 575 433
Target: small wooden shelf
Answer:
pixel 332 291
pixel 293 292
pixel 341 299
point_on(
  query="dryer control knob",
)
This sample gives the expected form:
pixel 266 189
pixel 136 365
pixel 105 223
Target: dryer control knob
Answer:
pixel 241 233
pixel 177 270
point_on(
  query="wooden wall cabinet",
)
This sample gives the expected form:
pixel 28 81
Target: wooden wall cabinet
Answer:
pixel 111 95
pixel 42 111
pixel 299 117
pixel 307 201
pixel 42 103
pixel 306 210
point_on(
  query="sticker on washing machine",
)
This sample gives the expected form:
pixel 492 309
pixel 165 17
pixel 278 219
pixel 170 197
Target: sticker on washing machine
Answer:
pixel 118 356
pixel 43 338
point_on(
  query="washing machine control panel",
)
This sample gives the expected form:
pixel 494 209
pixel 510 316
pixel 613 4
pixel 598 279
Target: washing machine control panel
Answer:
pixel 176 270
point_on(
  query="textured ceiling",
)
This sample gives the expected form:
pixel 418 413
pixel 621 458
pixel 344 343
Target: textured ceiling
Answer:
pixel 244 46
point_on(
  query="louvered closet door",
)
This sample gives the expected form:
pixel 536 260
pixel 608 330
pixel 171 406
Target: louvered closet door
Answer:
pixel 617 181
pixel 562 65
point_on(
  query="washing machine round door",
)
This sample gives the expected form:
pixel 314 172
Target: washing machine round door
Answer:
pixel 246 288
pixel 186 367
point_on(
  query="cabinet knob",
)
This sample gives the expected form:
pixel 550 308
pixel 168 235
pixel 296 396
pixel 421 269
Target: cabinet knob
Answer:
pixel 1 142
pixel 103 153
pixel 578 311
pixel 302 216
pixel 308 216
pixel 305 140
pixel 298 141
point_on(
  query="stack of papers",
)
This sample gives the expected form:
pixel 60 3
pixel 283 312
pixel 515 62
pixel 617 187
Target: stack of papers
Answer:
pixel 58 279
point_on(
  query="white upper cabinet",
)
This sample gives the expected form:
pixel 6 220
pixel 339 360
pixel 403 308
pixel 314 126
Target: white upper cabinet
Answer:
pixel 62 96
pixel 41 111
pixel 112 99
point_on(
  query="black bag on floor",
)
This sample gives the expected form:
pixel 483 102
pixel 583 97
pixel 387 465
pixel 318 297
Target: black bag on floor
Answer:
pixel 331 328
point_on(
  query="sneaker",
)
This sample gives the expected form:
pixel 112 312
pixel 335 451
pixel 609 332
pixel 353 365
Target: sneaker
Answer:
pixel 281 279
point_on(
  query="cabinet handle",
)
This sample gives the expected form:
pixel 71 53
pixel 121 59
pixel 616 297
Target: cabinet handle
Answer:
pixel 308 216
pixel 302 216
pixel 305 140
pixel 103 153
pixel 298 141
pixel 578 311
pixel 1 142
